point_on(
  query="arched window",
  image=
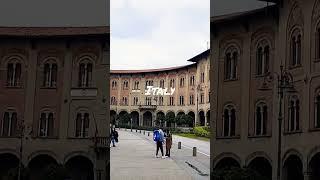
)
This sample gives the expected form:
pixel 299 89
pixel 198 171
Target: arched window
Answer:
pixel 231 61
pixel 263 54
pixel 85 74
pixel 113 100
pixel 181 101
pixel 229 121
pixel 160 101
pixel 82 124
pixel 13 74
pixel 148 101
pixel 46 124
pixel 296 46
pixel 294 114
pixel 171 101
pixel 50 75
pixel 136 85
pixel 172 83
pixel 261 119
pixel 192 80
pixel 181 82
pixel 114 85
pixel 125 84
pixel 135 101
pixel 9 123
pixel 124 101
pixel 191 102
pixel 162 83
pixel 202 77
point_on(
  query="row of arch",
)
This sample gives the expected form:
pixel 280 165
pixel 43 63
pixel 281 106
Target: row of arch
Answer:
pixel 292 165
pixel 148 117
pixel 77 166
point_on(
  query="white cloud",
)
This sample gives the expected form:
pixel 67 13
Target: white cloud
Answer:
pixel 161 33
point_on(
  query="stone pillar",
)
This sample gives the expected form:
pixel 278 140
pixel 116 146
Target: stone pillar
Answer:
pixel 140 118
pixel 28 79
pixel 205 120
pixel 65 101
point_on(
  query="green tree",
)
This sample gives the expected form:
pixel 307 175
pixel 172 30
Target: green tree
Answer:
pixel 124 118
pixel 160 120
pixel 170 118
pixel 188 120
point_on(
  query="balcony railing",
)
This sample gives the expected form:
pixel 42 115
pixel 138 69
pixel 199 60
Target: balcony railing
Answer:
pixel 150 107
pixel 101 142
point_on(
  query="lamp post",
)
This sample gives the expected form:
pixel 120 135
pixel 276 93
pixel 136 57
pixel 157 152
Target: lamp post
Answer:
pixel 284 83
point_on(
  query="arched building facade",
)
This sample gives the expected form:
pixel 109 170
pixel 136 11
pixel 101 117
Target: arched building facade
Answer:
pixel 53 101
pixel 191 95
pixel 247 48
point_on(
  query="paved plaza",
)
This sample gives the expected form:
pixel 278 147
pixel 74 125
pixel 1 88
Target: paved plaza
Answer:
pixel 134 158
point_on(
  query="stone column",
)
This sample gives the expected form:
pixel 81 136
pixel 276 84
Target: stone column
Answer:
pixel 66 100
pixel 205 119
pixel 140 119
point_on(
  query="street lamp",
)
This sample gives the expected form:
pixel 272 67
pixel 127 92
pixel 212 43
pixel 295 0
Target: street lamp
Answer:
pixel 284 83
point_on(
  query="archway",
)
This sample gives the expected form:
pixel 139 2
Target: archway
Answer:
pixel 8 166
pixel 262 166
pixel 193 116
pixel 160 119
pixel 179 121
pixel 201 118
pixel 113 116
pixel 40 167
pixel 124 118
pixel 147 119
pixel 135 118
pixel 315 167
pixel 80 168
pixel 208 118
pixel 227 163
pixel 170 117
pixel 292 168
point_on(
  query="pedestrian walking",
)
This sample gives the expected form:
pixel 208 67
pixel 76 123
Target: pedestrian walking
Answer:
pixel 114 137
pixel 168 143
pixel 158 137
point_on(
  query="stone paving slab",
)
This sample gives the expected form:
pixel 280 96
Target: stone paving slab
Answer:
pixel 133 158
pixel 200 163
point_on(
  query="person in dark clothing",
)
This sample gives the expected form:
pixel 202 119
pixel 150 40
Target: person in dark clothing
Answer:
pixel 168 143
pixel 114 137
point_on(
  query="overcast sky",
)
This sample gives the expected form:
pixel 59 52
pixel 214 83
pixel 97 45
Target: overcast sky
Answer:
pixel 156 34
pixel 54 12
pixel 220 7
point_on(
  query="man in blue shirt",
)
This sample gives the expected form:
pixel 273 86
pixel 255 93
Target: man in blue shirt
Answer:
pixel 159 139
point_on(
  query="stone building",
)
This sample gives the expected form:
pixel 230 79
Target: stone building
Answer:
pixel 248 48
pixel 53 100
pixel 191 94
